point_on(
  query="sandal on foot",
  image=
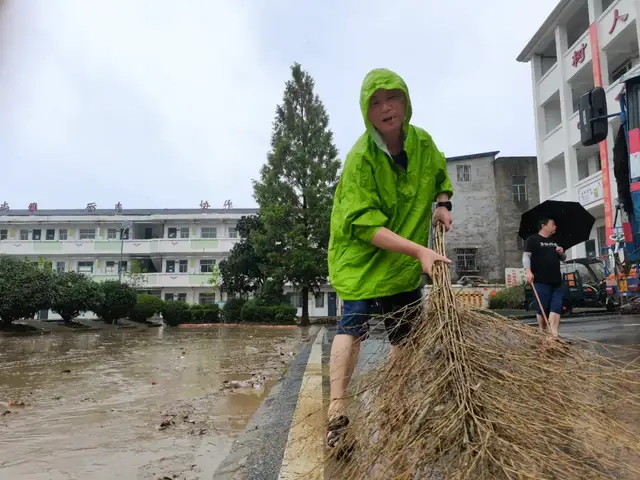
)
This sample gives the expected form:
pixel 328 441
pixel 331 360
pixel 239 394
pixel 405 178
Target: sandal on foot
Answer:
pixel 336 437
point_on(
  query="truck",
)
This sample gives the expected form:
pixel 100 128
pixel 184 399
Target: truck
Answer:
pixel 621 255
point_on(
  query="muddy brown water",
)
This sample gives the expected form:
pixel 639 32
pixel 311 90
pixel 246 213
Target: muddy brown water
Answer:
pixel 94 402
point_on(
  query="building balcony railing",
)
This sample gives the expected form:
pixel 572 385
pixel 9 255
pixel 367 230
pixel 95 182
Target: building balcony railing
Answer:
pixel 578 56
pixel 549 84
pixel 160 246
pixel 553 144
pixel 161 280
pixel 610 25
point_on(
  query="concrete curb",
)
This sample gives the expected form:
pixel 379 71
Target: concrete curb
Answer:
pixel 257 453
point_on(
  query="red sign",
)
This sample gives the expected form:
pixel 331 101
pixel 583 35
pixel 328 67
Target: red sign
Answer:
pixel 4 207
pixel 33 207
pixel 616 17
pixel 579 55
pixel 118 207
pixel 204 205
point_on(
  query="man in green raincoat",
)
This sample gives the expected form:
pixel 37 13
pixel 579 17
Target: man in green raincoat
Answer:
pixel 380 226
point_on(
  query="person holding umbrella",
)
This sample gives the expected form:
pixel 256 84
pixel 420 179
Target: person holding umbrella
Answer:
pixel 549 230
pixel 541 260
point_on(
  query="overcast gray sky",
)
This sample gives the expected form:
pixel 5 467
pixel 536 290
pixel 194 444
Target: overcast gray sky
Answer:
pixel 163 103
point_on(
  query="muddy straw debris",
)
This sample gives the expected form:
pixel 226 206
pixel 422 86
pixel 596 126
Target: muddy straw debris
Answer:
pixel 479 396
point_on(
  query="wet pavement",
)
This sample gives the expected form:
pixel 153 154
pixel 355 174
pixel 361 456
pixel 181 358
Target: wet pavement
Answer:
pixel 259 452
pixel 135 404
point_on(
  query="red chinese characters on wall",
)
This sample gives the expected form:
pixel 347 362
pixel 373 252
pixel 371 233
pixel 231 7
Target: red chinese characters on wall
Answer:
pixel 33 207
pixel 4 207
pixel 204 205
pixel 118 207
pixel 91 207
pixel 617 17
pixel 579 55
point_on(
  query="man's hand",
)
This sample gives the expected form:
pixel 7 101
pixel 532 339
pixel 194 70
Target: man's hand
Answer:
pixel 560 250
pixel 428 257
pixel 443 215
pixel 529 276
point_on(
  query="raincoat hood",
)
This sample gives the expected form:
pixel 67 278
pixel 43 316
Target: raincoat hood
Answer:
pixel 382 78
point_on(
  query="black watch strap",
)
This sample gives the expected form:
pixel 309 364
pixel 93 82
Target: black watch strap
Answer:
pixel 446 205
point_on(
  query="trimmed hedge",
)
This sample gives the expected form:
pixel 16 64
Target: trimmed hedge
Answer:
pixel 205 314
pixel 255 312
pixel 147 307
pixel 176 313
pixel 232 310
pixel 508 298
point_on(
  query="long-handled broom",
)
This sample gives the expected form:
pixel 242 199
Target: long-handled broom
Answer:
pixel 473 397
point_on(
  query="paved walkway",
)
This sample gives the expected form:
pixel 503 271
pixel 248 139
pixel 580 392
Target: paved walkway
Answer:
pixel 285 438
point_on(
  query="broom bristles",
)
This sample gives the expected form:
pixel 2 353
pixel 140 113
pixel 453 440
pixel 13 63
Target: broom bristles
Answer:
pixel 475 395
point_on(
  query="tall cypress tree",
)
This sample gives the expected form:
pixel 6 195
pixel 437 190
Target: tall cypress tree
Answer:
pixel 294 191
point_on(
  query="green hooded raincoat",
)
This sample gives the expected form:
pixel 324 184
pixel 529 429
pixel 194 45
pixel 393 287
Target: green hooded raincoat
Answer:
pixel 374 192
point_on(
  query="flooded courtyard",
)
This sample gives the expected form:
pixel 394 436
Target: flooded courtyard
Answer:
pixel 132 404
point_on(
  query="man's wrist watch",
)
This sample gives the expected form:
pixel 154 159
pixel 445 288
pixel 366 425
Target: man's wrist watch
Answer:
pixel 446 205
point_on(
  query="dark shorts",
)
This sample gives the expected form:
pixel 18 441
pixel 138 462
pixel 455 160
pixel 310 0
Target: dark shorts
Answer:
pixel 397 319
pixel 551 296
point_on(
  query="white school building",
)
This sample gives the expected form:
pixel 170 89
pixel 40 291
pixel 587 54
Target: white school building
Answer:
pixel 175 247
pixel 582 44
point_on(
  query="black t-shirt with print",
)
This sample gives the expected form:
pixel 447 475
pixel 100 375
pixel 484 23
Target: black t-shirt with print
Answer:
pixel 545 262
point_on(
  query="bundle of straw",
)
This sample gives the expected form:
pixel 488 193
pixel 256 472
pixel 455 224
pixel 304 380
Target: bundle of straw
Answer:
pixel 475 395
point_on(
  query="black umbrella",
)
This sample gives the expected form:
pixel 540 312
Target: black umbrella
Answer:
pixel 573 222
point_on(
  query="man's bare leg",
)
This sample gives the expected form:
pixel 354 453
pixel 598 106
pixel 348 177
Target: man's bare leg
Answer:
pixel 542 324
pixel 554 323
pixel 345 350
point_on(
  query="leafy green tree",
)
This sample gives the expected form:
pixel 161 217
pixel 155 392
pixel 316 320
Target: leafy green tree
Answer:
pixel 73 294
pixel 295 190
pixel 241 272
pixel 117 301
pixel 25 289
pixel 136 277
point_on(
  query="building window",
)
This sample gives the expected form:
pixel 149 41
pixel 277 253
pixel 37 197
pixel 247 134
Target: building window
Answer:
pixel 62 234
pixel 319 300
pixel 206 266
pixel 37 234
pixel 207 298
pixel 61 267
pixel 112 234
pixel 4 234
pixel 295 299
pixel 87 234
pixel 209 232
pixel 111 267
pixel 50 234
pixel 168 297
pixel 233 233
pixel 184 232
pixel 182 297
pixel 464 173
pixel 466 260
pixel 519 187
pixel 171 266
pixel 183 266
pixel 173 233
pixel 24 234
pixel 85 267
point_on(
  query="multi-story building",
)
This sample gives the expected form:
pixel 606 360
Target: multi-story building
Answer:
pixel 582 44
pixel 174 249
pixel 490 195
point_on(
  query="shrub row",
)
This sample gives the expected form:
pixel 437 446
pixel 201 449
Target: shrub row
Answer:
pixel 512 297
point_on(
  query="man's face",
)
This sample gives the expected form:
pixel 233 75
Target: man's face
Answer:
pixel 387 111
pixel 550 227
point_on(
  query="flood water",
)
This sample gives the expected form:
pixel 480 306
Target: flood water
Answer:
pixel 94 402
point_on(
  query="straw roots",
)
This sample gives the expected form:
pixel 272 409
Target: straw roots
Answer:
pixel 475 395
